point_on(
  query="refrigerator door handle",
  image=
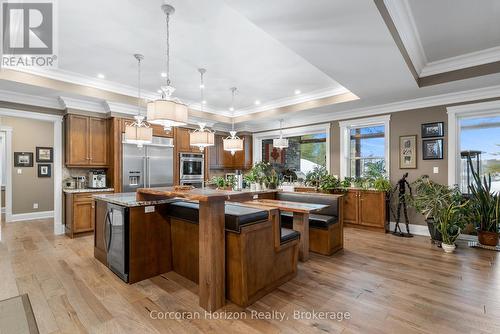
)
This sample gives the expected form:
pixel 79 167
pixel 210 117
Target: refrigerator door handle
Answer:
pixel 105 225
pixel 110 230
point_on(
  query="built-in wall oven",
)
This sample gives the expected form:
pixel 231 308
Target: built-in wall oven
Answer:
pixel 192 169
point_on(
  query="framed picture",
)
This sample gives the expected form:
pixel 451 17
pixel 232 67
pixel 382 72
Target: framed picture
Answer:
pixel 23 159
pixel 44 154
pixel 408 152
pixel 432 149
pixel 430 130
pixel 44 170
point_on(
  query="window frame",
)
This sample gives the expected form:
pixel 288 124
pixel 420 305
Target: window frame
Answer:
pixel 345 140
pixel 455 115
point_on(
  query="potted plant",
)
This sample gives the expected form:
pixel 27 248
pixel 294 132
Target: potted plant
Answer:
pixel 451 220
pixel 484 208
pixel 329 184
pixel 382 184
pixel 272 180
pixel 314 177
pixel 222 183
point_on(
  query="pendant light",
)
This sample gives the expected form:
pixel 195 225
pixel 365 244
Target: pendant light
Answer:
pixel 167 111
pixel 202 137
pixel 280 142
pixel 233 143
pixel 139 132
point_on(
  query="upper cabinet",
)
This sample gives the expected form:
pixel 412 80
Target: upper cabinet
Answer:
pixel 182 141
pixel 220 159
pixel 86 141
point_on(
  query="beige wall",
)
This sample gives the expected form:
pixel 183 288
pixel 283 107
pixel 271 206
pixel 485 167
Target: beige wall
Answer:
pixel 28 188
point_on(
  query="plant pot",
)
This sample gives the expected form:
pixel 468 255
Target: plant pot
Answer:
pixel 448 248
pixel 433 231
pixel 487 238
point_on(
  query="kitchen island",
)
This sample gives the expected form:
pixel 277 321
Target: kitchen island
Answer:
pixel 212 257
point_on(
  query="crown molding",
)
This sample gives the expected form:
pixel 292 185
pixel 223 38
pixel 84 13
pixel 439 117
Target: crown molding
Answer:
pixel 93 106
pixel 280 103
pixel 403 19
pixel 471 59
pixel 424 102
pixel 122 108
pixel 32 100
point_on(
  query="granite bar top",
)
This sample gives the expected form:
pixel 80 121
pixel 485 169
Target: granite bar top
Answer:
pixel 199 194
pixel 87 190
pixel 130 200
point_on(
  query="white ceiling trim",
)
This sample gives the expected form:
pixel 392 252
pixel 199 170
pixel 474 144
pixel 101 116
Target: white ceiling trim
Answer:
pixel 31 100
pixel 404 21
pixel 280 103
pixel 463 61
pixel 72 103
pixel 424 102
pixel 122 108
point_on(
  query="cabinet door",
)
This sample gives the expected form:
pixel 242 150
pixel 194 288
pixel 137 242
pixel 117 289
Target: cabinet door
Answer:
pixel 351 207
pixel 98 141
pixel 372 208
pixel 83 216
pixel 77 149
pixel 182 140
pixel 101 211
pixel 213 159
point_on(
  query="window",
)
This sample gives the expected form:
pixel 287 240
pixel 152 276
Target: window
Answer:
pixel 480 138
pixel 302 155
pixel 364 146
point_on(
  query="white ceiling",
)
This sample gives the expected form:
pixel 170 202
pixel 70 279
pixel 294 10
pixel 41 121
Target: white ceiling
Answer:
pixel 449 28
pixel 265 48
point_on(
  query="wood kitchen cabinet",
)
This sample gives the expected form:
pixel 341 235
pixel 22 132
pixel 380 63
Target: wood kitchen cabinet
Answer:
pixel 365 208
pixel 79 213
pixel 220 159
pixel 86 141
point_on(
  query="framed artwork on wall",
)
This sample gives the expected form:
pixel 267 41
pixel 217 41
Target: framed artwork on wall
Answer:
pixel 408 152
pixel 44 154
pixel 432 149
pixel 23 159
pixel 44 170
pixel 435 129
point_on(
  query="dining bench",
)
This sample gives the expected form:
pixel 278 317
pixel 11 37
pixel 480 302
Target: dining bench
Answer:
pixel 260 254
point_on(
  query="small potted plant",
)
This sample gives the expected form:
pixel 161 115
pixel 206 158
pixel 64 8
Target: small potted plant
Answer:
pixel 451 220
pixel 272 180
pixel 222 183
pixel 329 184
pixel 484 208
pixel 314 177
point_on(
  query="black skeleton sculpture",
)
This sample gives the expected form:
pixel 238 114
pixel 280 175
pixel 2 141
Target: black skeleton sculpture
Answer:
pixel 401 186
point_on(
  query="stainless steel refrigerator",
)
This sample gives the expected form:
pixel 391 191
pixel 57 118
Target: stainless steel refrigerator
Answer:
pixel 149 166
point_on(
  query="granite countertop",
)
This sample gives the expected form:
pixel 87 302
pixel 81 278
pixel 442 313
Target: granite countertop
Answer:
pixel 87 190
pixel 130 200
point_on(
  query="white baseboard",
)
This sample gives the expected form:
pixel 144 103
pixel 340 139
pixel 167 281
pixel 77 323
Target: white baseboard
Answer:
pixel 30 216
pixel 59 229
pixel 414 229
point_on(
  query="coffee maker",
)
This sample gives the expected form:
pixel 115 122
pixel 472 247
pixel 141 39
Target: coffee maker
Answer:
pixel 97 179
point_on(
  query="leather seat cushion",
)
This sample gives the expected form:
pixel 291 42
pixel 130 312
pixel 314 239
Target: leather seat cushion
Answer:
pixel 236 215
pixel 288 235
pixel 331 201
pixel 315 220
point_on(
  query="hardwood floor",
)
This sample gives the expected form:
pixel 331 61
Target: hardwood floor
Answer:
pixel 387 284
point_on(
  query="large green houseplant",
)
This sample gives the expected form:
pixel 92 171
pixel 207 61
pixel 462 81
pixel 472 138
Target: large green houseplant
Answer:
pixel 451 220
pixel 484 208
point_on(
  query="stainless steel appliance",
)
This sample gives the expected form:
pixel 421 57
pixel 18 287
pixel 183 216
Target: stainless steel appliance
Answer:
pixel 97 179
pixel 80 182
pixel 116 240
pixel 192 169
pixel 149 166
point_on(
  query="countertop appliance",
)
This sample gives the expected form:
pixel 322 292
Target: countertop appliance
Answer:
pixel 80 182
pixel 97 179
pixel 116 240
pixel 192 169
pixel 149 166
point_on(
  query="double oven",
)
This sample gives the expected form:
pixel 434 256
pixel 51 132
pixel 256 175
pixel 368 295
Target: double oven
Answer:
pixel 192 169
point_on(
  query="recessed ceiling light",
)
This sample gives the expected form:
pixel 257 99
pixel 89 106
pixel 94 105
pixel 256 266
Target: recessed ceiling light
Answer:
pixel 257 102
pixel 202 86
pixel 163 74
pixel 297 92
pixel 101 76
pixel 159 91
pixel 231 109
pixel 204 101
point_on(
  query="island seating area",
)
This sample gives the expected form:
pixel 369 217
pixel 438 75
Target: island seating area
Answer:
pixel 257 249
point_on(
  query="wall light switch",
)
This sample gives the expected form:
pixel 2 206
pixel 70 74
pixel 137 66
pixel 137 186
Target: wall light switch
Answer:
pixel 19 171
pixel 35 205
pixel 436 170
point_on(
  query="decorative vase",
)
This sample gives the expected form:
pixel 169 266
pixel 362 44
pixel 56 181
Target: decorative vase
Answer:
pixel 433 231
pixel 448 248
pixel 258 187
pixel 253 186
pixel 487 238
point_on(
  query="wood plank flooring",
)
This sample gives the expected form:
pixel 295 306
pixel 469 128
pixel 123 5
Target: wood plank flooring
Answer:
pixel 387 284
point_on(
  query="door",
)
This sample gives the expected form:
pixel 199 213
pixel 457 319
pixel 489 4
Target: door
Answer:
pixel 101 216
pixel 98 141
pixel 351 207
pixel 116 234
pixel 133 170
pixel 77 132
pixel 83 216
pixel 160 166
pixel 372 208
